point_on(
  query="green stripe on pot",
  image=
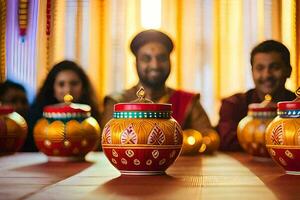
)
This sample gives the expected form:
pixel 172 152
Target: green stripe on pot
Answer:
pixel 289 113
pixel 141 115
pixel 65 120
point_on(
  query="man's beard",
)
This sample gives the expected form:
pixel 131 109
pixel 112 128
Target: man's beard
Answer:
pixel 271 81
pixel 270 85
pixel 156 83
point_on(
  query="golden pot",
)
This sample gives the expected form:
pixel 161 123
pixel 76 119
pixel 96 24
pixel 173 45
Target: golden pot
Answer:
pixel 192 142
pixel 67 131
pixel 13 130
pixel 283 136
pixel 211 141
pixel 251 129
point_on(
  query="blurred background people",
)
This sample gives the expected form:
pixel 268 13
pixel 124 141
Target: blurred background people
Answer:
pixel 66 77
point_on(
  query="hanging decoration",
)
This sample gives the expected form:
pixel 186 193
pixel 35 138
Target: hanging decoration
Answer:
pixel 48 29
pixel 48 18
pixel 23 17
pixel 2 40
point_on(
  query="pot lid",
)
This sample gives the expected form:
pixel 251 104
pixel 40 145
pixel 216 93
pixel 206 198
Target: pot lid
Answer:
pixel 265 106
pixel 290 105
pixel 142 104
pixel 6 109
pixel 67 107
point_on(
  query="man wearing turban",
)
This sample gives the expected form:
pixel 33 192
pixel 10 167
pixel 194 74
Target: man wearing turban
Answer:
pixel 152 50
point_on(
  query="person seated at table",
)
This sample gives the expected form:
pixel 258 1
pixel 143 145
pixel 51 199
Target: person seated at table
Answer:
pixel 270 61
pixel 152 50
pixel 14 94
pixel 66 77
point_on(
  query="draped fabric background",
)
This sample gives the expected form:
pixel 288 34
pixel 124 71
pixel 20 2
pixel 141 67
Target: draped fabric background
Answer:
pixel 21 55
pixel 2 39
pixel 213 40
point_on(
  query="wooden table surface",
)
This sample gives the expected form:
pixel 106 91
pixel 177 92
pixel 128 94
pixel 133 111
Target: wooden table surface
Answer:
pixel 221 176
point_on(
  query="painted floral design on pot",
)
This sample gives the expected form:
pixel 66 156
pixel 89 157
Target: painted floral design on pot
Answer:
pixel 283 136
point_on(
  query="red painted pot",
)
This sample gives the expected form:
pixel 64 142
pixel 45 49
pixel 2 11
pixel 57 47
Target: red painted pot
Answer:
pixel 283 136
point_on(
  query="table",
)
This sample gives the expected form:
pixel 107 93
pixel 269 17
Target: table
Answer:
pixel 219 176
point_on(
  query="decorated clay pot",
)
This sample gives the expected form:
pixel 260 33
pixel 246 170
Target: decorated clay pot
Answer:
pixel 13 130
pixel 283 136
pixel 251 129
pixel 142 138
pixel 67 131
pixel 192 142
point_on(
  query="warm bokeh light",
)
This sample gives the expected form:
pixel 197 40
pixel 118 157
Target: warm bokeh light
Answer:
pixel 191 140
pixel 202 148
pixel 151 14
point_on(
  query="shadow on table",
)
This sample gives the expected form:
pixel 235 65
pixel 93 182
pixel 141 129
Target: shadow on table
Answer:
pixel 285 186
pixel 282 185
pixel 56 170
pixel 22 182
pixel 139 187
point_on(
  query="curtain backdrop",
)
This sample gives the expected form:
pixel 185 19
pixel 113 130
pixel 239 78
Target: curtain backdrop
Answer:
pixel 213 40
pixel 21 52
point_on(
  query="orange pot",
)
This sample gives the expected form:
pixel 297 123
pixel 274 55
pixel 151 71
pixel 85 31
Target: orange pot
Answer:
pixel 211 141
pixel 251 129
pixel 13 130
pixel 67 131
pixel 192 141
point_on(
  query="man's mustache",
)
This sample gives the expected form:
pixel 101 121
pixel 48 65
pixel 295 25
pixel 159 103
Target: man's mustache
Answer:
pixel 155 70
pixel 270 79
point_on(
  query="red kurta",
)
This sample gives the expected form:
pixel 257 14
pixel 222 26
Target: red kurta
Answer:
pixel 186 107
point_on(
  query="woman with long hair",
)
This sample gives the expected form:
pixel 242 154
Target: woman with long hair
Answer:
pixel 65 77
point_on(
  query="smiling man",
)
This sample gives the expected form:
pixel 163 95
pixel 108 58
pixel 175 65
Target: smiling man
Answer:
pixel 152 50
pixel 270 61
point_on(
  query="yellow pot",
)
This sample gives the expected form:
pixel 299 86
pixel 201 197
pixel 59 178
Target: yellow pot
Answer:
pixel 251 129
pixel 67 132
pixel 192 142
pixel 211 141
pixel 13 130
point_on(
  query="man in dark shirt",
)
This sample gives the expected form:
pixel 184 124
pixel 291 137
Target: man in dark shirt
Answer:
pixel 270 61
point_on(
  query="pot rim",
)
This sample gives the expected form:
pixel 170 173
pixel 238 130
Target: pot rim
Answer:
pixel 67 108
pixel 120 107
pixel 5 109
